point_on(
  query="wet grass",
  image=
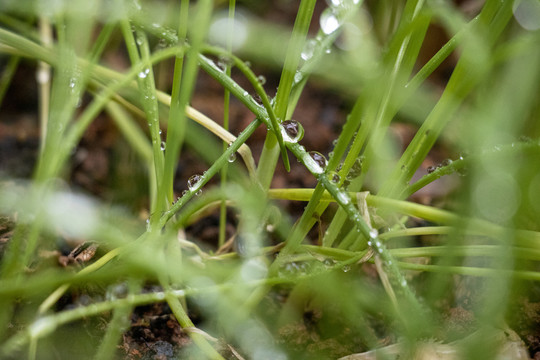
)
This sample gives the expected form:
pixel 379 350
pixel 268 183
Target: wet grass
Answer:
pixel 384 268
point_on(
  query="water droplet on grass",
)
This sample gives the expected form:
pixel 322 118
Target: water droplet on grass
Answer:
pixel 309 47
pixel 298 77
pixel 261 79
pixel 328 262
pixel 343 197
pixel 163 146
pixel 318 158
pixel 232 157
pixel 333 177
pixel 292 131
pixel 193 181
pixel 373 233
pixel 446 162
pixel 144 73
pixel 431 169
pixel 329 21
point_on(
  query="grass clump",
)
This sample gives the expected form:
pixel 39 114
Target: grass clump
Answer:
pixel 402 260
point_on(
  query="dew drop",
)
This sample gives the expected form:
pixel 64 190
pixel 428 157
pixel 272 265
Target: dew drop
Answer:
pixel 329 21
pixel 143 74
pixel 298 77
pixel 257 99
pixel 446 162
pixel 309 48
pixel 335 2
pixel 193 181
pixel 346 268
pixel 261 79
pixel 232 157
pixel 247 63
pixel 198 193
pixel 431 169
pixel 343 197
pixel 318 158
pixel 292 131
pixel 328 262
pixel 163 145
pixel 333 177
pixel 373 233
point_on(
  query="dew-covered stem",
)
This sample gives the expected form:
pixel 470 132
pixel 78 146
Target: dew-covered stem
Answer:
pixel 269 155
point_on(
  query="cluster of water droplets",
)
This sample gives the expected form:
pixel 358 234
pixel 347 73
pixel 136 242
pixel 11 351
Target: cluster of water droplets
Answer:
pixel 461 171
pixel 294 268
pixel 232 157
pixel 144 73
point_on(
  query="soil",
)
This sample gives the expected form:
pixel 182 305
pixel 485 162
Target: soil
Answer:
pixel 100 163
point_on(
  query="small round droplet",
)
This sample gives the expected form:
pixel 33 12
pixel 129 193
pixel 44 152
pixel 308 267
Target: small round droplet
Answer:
pixel 431 169
pixel 261 79
pixel 193 181
pixel 318 158
pixel 163 146
pixel 309 48
pixel 198 193
pixel 328 262
pixel 292 131
pixel 329 21
pixel 298 76
pixel 224 62
pixel 446 162
pixel 232 157
pixel 346 268
pixel 333 177
pixel 143 74
pixel 373 233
